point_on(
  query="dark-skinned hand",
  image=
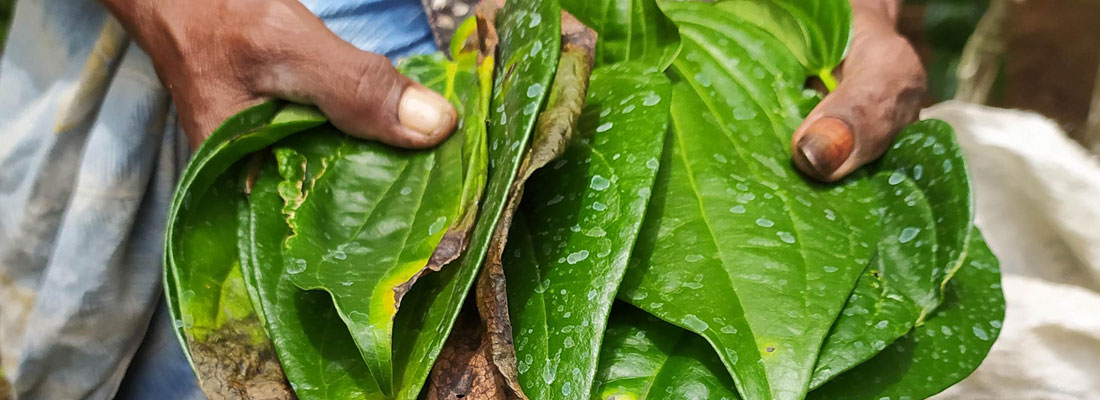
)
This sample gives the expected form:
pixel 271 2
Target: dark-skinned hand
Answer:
pixel 880 90
pixel 218 57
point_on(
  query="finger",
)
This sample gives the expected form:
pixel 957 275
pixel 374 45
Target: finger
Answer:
pixel 360 92
pixel 879 94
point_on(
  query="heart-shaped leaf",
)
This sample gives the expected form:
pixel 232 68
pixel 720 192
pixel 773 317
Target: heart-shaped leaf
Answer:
pixel 761 237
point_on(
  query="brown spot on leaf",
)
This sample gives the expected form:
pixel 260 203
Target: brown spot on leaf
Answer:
pixel 233 364
pixel 464 369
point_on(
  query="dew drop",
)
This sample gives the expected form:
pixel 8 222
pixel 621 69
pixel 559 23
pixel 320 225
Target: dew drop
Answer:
pixel 652 164
pixel 577 257
pixel 764 222
pixel 908 234
pixel 896 178
pixel 651 99
pixel 694 323
pixel 298 267
pixel 437 225
pixel 599 183
pixel 604 127
pixel 786 237
pixel 738 209
pixel 980 333
pixel 534 90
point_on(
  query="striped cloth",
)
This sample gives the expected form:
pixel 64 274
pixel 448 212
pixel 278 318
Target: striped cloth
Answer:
pixel 89 156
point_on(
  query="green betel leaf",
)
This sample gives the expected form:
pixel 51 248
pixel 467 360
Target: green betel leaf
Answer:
pixel 570 241
pixel 204 285
pixel 334 194
pixel 738 246
pixel 366 220
pixel 817 32
pixel 924 211
pixel 646 358
pixel 530 35
pixel 317 352
pixel 629 30
pixel 945 349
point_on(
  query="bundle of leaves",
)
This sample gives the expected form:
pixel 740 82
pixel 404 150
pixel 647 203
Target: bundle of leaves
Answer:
pixel 626 207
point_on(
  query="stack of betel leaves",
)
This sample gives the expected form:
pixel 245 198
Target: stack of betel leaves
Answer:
pixel 616 217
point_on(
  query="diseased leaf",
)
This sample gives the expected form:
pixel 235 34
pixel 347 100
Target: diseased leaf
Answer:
pixel 738 246
pixel 629 30
pixel 529 33
pixel 203 282
pixel 315 348
pixel 553 130
pixel 645 358
pixel 230 353
pixel 570 242
pixel 383 212
pixel 916 210
pixel 942 351
pixel 816 32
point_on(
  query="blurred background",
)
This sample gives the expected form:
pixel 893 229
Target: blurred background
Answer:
pixel 1037 55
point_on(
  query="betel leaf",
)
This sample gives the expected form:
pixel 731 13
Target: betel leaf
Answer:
pixel 924 210
pixel 629 30
pixel 204 285
pixel 732 219
pixel 646 358
pixel 529 33
pixel 338 170
pixel 554 130
pixel 367 220
pixel 315 349
pixel 945 349
pixel 816 32
pixel 571 239
pixel 222 330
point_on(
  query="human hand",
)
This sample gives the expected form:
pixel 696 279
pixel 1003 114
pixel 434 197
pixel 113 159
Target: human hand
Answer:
pixel 218 57
pixel 882 83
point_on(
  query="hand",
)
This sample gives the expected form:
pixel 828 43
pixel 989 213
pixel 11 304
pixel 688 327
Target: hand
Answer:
pixel 218 57
pixel 879 93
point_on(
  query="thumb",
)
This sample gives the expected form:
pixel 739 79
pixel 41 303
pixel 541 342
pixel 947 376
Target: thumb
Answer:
pixel 880 94
pixel 361 93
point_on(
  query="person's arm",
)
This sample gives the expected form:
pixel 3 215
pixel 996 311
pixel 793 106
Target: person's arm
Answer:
pixel 880 91
pixel 217 57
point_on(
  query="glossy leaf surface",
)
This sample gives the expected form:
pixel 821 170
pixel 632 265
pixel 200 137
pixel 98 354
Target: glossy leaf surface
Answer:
pixel 817 32
pixel 924 212
pixel 629 30
pixel 646 358
pixel 732 219
pixel 315 349
pixel 571 239
pixel 529 34
pixel 204 285
pixel 942 351
pixel 365 219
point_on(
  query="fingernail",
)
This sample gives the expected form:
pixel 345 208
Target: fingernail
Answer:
pixel 826 145
pixel 425 112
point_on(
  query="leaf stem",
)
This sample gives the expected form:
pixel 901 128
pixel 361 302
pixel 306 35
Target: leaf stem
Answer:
pixel 828 79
